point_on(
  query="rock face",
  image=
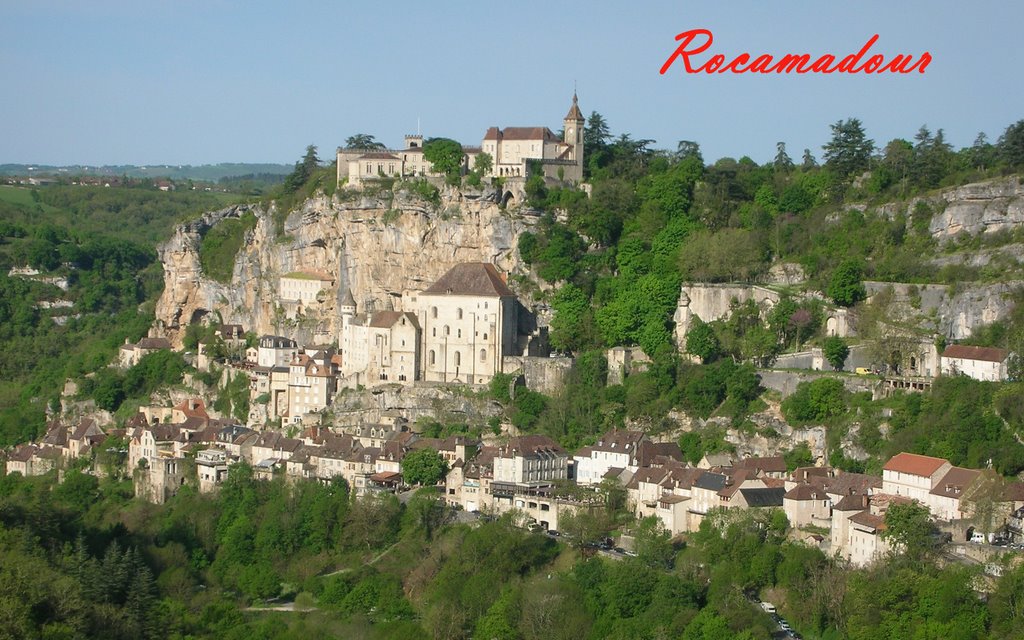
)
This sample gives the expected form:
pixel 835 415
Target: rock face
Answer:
pixel 377 246
pixel 949 310
pixel 983 207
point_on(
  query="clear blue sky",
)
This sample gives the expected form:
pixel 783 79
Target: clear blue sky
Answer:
pixel 193 82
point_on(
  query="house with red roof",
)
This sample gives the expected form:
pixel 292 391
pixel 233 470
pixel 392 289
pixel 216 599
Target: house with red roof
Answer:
pixel 913 476
pixel 980 363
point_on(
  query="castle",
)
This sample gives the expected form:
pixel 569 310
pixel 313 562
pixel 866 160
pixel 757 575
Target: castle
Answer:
pixel 457 330
pixel 512 150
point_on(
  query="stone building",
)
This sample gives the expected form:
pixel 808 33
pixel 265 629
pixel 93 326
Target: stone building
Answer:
pixel 457 330
pixel 980 363
pixel 512 150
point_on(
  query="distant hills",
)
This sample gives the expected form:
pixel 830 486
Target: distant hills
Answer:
pixel 205 172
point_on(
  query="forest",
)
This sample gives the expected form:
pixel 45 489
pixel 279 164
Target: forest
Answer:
pixel 83 559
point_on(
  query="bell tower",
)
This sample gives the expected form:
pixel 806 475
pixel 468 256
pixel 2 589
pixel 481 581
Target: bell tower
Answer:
pixel 574 137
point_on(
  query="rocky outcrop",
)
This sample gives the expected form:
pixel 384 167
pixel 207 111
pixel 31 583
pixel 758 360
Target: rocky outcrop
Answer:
pixel 950 310
pixel 377 246
pixel 983 207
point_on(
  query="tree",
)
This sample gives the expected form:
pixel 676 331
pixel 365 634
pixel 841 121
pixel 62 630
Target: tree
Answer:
pixel 303 171
pixel 849 150
pixel 808 161
pixel 836 352
pixel 445 156
pixel 1011 145
pixel 689 149
pixel 908 529
pixel 596 133
pixel 362 141
pixel 702 342
pixel 845 287
pixel 424 467
pixel 483 164
pixel 782 163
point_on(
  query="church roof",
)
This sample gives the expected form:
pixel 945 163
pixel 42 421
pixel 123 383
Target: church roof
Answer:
pixel 471 279
pixel 349 300
pixel 387 319
pixel 521 133
pixel 574 110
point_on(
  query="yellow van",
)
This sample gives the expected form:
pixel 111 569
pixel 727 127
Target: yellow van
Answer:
pixel 862 371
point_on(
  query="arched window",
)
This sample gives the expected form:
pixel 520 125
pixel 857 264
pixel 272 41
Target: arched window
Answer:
pixel 432 357
pixel 458 333
pixel 434 330
pixel 447 330
pixel 483 355
pixel 433 312
pixel 458 313
pixel 458 358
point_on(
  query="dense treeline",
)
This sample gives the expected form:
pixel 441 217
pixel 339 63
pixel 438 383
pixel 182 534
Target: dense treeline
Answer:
pixel 101 241
pixel 81 559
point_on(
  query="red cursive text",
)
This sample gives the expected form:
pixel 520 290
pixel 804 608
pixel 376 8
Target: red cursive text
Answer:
pixel 696 41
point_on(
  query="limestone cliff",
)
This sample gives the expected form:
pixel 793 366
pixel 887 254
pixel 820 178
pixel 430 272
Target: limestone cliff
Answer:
pixel 378 246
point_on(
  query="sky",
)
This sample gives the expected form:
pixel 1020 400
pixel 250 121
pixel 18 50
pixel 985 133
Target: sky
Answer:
pixel 208 81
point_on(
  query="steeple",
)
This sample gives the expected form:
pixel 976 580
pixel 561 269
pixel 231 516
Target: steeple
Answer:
pixel 574 115
pixel 348 304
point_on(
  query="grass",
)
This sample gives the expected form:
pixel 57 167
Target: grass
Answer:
pixel 22 196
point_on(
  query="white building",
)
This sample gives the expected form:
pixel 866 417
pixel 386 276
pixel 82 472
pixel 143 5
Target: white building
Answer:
pixel 616 449
pixel 530 460
pixel 457 330
pixel 980 363
pixel 913 476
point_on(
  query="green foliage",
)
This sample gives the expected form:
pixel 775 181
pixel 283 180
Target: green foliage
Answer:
pixel 445 157
pixel 702 342
pixel 798 456
pixel 816 401
pixel 728 255
pixel 221 243
pixel 846 288
pixel 423 467
pixel 304 170
pixel 849 150
pixel 908 529
pixel 836 352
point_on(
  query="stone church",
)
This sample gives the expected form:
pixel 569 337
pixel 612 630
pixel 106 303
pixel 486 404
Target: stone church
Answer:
pixel 457 330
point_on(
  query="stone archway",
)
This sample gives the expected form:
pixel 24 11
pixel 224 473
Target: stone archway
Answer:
pixel 507 199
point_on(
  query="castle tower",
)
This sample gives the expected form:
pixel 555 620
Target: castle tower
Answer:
pixel 574 134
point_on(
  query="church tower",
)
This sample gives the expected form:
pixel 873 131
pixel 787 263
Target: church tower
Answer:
pixel 574 137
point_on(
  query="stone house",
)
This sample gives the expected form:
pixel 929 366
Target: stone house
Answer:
pixel 533 459
pixel 300 290
pixel 312 383
pixel 913 475
pixel 945 500
pixel 615 448
pixel 211 469
pixel 807 504
pixel 130 354
pixel 980 363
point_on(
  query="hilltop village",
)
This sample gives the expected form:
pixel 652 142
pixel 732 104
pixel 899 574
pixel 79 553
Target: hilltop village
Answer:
pixel 479 328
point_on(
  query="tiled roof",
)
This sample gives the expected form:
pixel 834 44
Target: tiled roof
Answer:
pixel 966 352
pixel 378 155
pixel 804 492
pixel 869 520
pixel 767 497
pixel 574 110
pixel 471 279
pixel 914 464
pixel 772 464
pixel 153 344
pixel 387 319
pixel 955 482
pixel 710 481
pixel 521 133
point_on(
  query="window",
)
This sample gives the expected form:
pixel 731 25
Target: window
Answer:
pixel 433 312
pixel 458 358
pixel 447 330
pixel 483 355
pixel 434 331
pixel 485 336
pixel 432 356
pixel 458 333
pixel 458 313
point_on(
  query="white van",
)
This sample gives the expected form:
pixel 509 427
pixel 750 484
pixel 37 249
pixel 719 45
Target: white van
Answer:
pixel 768 607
